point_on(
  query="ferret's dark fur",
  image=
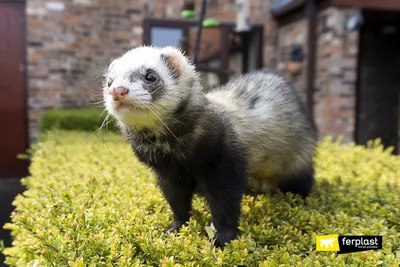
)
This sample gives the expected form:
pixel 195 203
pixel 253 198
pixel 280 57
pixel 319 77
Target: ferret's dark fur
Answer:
pixel 193 143
pixel 215 166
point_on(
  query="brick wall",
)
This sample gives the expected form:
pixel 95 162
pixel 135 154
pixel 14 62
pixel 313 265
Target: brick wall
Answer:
pixel 336 74
pixel 336 69
pixel 288 35
pixel 69 44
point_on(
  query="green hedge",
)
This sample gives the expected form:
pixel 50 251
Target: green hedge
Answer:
pixel 86 206
pixel 80 119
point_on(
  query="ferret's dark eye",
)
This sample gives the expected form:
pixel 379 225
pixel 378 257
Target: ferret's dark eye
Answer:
pixel 151 77
pixel 109 82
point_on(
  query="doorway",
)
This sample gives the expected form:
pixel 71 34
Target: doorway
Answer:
pixel 13 106
pixel 378 89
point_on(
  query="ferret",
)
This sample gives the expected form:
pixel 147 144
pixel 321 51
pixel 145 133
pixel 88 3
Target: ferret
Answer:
pixel 250 135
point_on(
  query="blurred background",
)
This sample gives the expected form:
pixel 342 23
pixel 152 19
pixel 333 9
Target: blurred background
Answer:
pixel 343 56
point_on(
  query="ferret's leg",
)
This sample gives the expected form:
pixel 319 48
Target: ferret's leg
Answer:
pixel 225 211
pixel 179 196
pixel 300 184
pixel 224 195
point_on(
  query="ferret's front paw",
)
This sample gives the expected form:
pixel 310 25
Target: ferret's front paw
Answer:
pixel 175 226
pixel 221 239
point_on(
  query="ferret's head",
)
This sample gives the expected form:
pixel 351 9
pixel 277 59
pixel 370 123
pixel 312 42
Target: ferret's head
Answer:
pixel 146 84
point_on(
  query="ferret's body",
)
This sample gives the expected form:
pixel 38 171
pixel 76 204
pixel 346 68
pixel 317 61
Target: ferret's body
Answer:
pixel 270 121
pixel 251 133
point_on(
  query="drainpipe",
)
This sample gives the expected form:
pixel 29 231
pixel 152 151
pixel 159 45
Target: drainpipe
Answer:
pixel 199 28
pixel 243 28
pixel 311 11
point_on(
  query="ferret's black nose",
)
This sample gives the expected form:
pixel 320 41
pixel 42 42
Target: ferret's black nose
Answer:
pixel 119 93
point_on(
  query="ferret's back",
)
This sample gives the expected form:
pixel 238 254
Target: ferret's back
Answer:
pixel 270 119
pixel 262 96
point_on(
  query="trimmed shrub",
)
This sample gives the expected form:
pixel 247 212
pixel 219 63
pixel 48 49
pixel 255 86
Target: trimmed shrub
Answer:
pixel 78 119
pixel 96 205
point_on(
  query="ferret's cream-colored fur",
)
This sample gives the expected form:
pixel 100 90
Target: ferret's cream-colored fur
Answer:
pixel 279 137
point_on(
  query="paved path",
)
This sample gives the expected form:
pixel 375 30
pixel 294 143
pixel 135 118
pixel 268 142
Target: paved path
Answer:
pixel 9 188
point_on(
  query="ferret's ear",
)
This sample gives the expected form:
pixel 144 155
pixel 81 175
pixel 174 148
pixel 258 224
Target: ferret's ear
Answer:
pixel 174 59
pixel 112 64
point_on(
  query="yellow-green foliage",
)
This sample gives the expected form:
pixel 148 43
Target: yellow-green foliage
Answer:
pixel 88 118
pixel 88 207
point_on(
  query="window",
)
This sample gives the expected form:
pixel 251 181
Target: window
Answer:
pixel 161 36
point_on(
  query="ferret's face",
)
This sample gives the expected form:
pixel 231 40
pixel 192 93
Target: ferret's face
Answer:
pixel 145 83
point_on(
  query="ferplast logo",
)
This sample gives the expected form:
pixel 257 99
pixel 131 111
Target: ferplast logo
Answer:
pixel 348 244
pixel 327 243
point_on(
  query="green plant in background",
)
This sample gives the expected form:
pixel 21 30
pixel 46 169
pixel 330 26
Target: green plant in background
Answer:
pixel 211 23
pixel 78 119
pixel 87 207
pixel 188 14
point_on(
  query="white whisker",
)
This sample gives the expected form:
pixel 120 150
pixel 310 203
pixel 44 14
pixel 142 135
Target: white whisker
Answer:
pixel 99 129
pixel 163 123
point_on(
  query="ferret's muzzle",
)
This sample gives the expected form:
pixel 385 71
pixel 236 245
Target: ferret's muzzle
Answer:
pixel 119 93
